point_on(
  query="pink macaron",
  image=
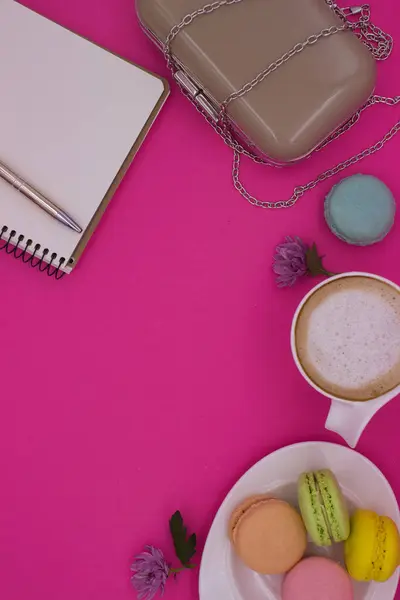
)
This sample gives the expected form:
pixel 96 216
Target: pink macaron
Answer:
pixel 317 578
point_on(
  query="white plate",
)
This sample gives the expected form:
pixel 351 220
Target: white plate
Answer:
pixel 222 574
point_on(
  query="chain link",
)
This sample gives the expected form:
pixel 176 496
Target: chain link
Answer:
pixel 299 191
pixel 188 20
pixel 377 41
pixel 310 41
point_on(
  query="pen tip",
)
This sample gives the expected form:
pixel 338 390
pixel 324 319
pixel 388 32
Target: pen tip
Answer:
pixel 68 221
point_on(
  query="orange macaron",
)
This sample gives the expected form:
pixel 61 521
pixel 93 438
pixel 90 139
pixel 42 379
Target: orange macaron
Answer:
pixel 268 535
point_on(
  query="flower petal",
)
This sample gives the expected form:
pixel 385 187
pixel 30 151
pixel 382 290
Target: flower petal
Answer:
pixel 289 262
pixel 150 573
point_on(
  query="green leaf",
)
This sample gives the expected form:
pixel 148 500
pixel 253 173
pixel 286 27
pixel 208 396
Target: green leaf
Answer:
pixel 185 547
pixel 314 263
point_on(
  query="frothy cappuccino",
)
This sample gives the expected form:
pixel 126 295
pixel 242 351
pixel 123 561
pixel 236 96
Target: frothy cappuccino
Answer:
pixel 347 338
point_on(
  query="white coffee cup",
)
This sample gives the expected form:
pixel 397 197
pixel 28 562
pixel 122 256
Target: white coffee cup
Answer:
pixel 346 417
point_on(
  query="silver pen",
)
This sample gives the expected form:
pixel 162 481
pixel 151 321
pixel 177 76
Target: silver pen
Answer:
pixel 44 203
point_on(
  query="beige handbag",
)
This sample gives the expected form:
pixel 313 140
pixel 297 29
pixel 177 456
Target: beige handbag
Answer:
pixel 277 79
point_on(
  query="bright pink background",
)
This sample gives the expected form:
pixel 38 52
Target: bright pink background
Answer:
pixel 160 370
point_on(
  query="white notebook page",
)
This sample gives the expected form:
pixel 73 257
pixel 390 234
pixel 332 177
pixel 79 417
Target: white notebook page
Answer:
pixel 70 114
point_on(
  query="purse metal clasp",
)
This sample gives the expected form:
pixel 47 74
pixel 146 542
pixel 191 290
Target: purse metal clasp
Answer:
pixel 196 94
pixel 351 11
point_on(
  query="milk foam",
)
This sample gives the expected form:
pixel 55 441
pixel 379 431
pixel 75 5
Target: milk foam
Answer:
pixel 354 337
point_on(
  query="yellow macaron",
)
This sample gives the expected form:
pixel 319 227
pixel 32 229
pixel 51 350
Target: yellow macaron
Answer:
pixel 372 551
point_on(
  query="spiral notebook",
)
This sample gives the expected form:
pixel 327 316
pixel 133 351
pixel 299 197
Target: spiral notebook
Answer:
pixel 72 117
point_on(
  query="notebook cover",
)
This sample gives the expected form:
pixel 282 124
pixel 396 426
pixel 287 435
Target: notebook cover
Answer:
pixel 77 253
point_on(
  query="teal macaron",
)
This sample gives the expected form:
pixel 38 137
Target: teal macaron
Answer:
pixel 323 507
pixel 360 210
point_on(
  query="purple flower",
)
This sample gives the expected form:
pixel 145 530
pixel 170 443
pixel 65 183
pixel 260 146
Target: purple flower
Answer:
pixel 290 261
pixel 150 573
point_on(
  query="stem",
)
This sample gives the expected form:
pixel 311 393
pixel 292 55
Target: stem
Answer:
pixel 175 571
pixel 328 273
pixel 322 271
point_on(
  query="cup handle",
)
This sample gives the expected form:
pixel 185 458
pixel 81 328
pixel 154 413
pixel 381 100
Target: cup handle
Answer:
pixel 349 419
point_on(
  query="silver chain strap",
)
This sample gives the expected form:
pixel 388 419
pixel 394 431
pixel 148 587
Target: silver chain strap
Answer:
pixel 310 41
pixel 378 42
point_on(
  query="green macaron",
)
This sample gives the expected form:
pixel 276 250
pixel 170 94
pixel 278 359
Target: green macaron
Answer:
pixel 323 507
